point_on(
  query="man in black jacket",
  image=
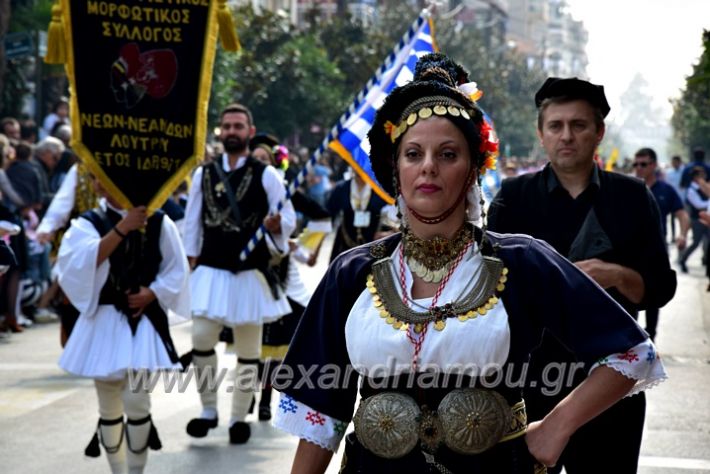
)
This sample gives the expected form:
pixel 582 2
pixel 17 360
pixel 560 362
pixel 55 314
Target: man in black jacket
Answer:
pixel 609 226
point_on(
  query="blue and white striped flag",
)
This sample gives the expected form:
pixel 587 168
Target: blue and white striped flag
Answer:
pixel 398 69
pixel 348 137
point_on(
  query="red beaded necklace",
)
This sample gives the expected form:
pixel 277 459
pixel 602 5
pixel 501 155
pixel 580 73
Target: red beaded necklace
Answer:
pixel 418 340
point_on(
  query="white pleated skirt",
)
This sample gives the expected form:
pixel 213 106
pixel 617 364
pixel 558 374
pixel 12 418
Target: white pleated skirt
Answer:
pixel 102 346
pixel 295 288
pixel 234 298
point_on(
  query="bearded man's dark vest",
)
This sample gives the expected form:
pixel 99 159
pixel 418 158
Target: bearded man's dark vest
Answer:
pixel 223 239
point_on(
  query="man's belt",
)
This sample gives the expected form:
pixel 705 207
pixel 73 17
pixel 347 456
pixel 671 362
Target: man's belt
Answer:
pixel 467 421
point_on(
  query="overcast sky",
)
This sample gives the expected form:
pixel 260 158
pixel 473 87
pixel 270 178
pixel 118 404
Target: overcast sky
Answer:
pixel 661 39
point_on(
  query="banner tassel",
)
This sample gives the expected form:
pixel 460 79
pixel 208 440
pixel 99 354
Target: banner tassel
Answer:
pixel 227 30
pixel 56 46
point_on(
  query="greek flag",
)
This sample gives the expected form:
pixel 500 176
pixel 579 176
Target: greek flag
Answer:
pixel 348 137
pixel 398 69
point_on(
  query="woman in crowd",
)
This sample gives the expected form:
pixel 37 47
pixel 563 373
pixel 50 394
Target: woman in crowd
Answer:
pixel 440 319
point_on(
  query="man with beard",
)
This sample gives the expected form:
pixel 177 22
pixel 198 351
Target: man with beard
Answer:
pixel 229 200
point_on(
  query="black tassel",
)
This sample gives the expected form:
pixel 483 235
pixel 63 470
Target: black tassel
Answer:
pixel 153 439
pixel 185 360
pixel 93 450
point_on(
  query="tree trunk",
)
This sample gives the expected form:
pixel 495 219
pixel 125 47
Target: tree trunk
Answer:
pixel 4 23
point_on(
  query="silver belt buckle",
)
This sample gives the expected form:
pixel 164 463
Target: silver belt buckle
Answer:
pixel 386 424
pixel 468 421
pixel 473 420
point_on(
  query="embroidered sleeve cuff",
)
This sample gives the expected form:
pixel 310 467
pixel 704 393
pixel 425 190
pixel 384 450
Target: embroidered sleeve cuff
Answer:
pixel 641 363
pixel 300 420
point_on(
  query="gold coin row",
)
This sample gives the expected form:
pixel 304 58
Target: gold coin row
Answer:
pixel 439 324
pixel 425 113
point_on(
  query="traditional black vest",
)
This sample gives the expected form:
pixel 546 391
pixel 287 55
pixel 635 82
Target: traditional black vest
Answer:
pixel 694 212
pixel 223 239
pixel 134 263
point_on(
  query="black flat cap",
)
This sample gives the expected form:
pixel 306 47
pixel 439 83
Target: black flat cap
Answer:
pixel 263 139
pixel 573 88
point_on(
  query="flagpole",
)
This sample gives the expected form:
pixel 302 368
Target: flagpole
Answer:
pixel 338 127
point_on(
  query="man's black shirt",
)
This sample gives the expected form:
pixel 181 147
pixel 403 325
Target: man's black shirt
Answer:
pixel 615 219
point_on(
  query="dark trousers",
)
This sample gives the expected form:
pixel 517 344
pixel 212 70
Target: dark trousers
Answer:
pixel 615 434
pixel 700 237
pixel 652 322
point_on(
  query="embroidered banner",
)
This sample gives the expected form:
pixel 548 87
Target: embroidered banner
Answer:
pixel 140 74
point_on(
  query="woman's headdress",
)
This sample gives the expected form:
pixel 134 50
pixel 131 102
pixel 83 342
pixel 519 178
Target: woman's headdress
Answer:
pixel 440 88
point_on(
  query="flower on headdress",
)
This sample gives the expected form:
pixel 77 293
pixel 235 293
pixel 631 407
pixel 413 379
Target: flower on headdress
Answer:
pixel 489 140
pixel 489 147
pixel 471 90
pixel 281 156
pixel 390 129
pixel 488 164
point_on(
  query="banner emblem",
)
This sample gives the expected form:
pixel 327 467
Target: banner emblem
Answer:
pixel 140 75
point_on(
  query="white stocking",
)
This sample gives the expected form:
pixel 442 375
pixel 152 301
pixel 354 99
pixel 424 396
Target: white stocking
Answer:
pixel 247 341
pixel 111 408
pixel 205 335
pixel 137 403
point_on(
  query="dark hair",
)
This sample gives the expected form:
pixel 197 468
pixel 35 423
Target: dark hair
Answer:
pixel 698 154
pixel 237 109
pixel 28 130
pixel 23 151
pixel 649 153
pixel 60 101
pixel 677 157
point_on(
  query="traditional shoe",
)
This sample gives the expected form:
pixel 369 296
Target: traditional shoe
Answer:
pixel 198 427
pixel 264 413
pixel 239 433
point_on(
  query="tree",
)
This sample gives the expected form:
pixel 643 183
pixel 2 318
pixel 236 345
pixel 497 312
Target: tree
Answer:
pixel 5 11
pixel 356 51
pixel 507 83
pixel 691 113
pixel 29 16
pixel 283 75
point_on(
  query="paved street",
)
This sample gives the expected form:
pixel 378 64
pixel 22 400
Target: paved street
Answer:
pixel 47 416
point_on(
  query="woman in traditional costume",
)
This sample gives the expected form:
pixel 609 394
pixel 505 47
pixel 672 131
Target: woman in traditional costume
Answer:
pixel 439 320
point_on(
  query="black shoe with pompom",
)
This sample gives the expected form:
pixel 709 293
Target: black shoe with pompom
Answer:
pixel 198 427
pixel 239 433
